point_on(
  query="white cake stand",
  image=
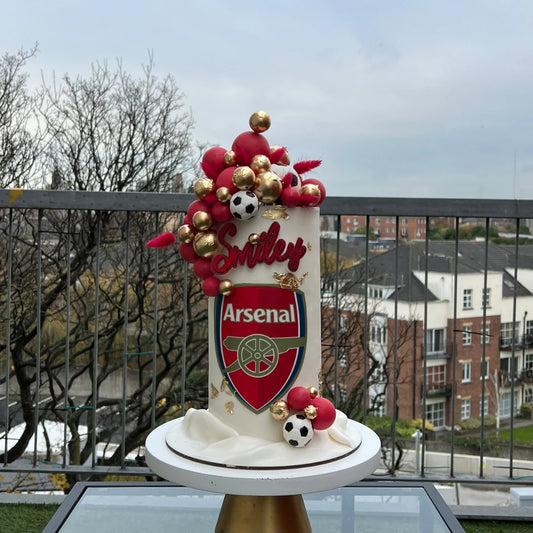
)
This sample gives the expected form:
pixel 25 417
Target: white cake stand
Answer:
pixel 263 501
pixel 167 464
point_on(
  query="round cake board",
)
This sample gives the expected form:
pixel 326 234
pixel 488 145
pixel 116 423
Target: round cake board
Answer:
pixel 276 482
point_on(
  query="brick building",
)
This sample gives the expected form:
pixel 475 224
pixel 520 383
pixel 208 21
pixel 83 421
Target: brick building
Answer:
pixel 471 324
pixel 410 228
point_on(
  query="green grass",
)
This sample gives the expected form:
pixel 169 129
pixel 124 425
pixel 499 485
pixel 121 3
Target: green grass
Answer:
pixel 479 526
pixel 25 517
pixel 520 434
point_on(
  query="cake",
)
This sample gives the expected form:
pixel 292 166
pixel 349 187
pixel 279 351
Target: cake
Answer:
pixel 252 237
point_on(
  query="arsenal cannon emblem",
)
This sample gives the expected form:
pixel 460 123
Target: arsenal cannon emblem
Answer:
pixel 260 339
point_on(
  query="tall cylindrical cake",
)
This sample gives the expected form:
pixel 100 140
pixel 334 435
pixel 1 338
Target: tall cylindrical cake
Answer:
pixel 253 238
pixel 264 337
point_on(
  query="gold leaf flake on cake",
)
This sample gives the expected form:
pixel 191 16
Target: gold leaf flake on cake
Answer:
pixel 289 280
pixel 276 212
pixel 214 391
pixel 309 246
pixel 224 387
pixel 229 408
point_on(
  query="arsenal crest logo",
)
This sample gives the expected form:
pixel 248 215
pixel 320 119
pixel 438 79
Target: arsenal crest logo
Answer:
pixel 260 338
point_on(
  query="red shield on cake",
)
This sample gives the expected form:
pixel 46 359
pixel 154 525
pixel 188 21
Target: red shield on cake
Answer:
pixel 260 338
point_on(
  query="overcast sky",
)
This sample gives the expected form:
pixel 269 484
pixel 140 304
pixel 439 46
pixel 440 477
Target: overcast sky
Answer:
pixel 398 98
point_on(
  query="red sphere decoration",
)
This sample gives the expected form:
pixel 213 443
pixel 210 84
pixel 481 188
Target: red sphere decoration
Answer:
pixel 225 179
pixel 197 205
pixel 319 184
pixel 187 252
pixel 202 268
pixel 325 413
pixel 221 213
pixel 213 162
pixel 249 144
pixel 298 398
pixel 290 197
pixel 211 198
pixel 210 286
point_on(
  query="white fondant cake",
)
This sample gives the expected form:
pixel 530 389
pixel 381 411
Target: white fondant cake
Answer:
pixel 264 339
pixel 253 238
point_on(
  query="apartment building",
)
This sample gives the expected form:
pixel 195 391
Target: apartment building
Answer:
pixel 470 331
pixel 385 227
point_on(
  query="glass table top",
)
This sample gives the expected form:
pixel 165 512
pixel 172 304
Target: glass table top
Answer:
pixel 372 507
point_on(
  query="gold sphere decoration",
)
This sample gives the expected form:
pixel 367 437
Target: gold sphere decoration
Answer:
pixel 253 238
pixel 279 410
pixel 202 187
pixel 225 287
pixel 243 178
pixel 286 159
pixel 310 412
pixel 185 233
pixel 268 187
pixel 205 244
pixel 313 391
pixel 312 190
pixel 260 163
pixel 223 195
pixel 202 220
pixel 229 158
pixel 260 121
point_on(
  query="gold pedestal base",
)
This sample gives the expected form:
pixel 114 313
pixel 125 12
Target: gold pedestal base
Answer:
pixel 263 514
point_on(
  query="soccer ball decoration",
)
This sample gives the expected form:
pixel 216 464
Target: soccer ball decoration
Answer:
pixel 298 430
pixel 243 205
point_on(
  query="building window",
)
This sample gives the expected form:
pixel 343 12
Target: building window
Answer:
pixel 467 335
pixel 467 299
pixel 436 377
pixel 528 363
pixel 506 365
pixel 436 340
pixel 483 406
pixel 466 372
pixel 378 333
pixel 528 395
pixel 485 334
pixel 435 413
pixel 529 333
pixel 485 298
pixel 343 359
pixel 343 322
pixel 508 333
pixel 404 221
pixel 465 409
pixel 343 393
pixel 375 292
pixel 484 370
pixel 505 404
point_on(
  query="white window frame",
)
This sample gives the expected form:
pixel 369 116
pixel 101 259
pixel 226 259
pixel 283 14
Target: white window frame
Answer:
pixel 430 341
pixel 466 409
pixel 487 369
pixel 466 372
pixel 485 298
pixel 467 298
pixel 507 333
pixel 485 334
pixel 436 413
pixel 467 336
pixel 484 402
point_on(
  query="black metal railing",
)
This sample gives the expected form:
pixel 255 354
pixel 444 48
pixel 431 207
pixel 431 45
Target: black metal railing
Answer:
pixel 61 247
